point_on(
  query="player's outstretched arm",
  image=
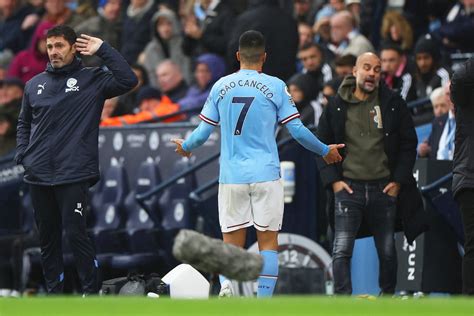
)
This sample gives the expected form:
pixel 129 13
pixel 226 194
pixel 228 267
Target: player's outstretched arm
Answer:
pixel 196 139
pixel 309 141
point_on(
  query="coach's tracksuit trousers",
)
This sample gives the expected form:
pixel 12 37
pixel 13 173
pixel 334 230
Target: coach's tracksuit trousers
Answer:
pixel 57 208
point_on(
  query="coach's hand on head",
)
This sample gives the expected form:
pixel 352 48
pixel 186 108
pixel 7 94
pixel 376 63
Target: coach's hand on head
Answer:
pixel 179 148
pixel 333 155
pixel 88 45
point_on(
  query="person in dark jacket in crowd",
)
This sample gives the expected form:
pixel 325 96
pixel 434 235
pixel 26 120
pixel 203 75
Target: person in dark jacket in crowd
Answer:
pixel 456 32
pixel 209 69
pixel 462 95
pixel 30 62
pixel 127 102
pixel 312 57
pixel 281 33
pixel 379 154
pixel 170 80
pixel 57 144
pixel 208 28
pixel 396 72
pixel 429 73
pixel 8 121
pixel 12 37
pixel 136 28
pixel 107 25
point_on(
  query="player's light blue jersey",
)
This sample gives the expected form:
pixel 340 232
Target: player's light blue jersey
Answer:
pixel 248 105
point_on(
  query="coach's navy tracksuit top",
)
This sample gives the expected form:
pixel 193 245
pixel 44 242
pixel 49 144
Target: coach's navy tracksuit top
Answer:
pixel 58 126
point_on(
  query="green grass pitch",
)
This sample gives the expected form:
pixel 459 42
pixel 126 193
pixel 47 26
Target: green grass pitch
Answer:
pixel 280 305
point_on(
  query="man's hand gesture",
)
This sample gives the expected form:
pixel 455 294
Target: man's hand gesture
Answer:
pixel 179 148
pixel 333 154
pixel 88 45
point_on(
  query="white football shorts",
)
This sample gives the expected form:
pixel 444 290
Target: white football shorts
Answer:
pixel 258 204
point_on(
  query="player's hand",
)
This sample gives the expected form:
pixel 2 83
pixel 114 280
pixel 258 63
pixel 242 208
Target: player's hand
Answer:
pixel 341 185
pixel 392 189
pixel 88 45
pixel 179 148
pixel 333 154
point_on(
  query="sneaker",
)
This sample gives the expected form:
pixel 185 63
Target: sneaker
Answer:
pixel 226 289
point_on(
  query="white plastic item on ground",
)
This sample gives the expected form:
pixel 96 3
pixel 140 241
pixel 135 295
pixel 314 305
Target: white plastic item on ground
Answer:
pixel 186 282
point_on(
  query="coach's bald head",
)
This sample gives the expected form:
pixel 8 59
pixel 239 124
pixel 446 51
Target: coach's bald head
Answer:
pixel 367 72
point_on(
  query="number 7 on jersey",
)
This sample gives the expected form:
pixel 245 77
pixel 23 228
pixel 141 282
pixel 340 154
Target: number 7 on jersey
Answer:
pixel 247 101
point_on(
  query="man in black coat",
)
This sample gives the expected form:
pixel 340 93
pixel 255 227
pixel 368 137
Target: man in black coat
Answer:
pixel 375 176
pixel 281 34
pixel 57 144
pixel 462 95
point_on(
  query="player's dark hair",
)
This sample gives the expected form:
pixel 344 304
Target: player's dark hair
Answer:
pixel 251 46
pixel 65 31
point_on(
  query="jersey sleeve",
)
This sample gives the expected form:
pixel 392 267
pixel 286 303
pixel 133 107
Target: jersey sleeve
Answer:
pixel 287 110
pixel 210 113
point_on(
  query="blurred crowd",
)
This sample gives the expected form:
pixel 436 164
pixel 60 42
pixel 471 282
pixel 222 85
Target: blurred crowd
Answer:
pixel 180 48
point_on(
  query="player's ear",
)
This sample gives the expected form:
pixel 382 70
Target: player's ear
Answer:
pixel 237 55
pixel 264 57
pixel 354 71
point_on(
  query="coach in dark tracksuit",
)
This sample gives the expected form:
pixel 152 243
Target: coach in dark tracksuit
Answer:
pixel 57 143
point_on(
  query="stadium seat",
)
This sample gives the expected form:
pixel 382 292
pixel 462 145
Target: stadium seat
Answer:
pixel 175 205
pixel 110 216
pixel 141 238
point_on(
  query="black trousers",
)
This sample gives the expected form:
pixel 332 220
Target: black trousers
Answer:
pixel 465 199
pixel 57 208
pixel 379 209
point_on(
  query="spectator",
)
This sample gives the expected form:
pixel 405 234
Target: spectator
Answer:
pixel 353 6
pixel 304 95
pixel 8 121
pixel 329 90
pixel 12 38
pixel 126 102
pixel 429 74
pixel 304 11
pixel 136 28
pixel 151 104
pixel 305 33
pixel 209 69
pixel 28 63
pixel 57 12
pixel 166 43
pixel 207 30
pixel 395 71
pixel 331 8
pixel 429 147
pixel 396 30
pixel 371 15
pixel 344 64
pixel 346 38
pixel 456 31
pixel 11 92
pixel 170 80
pixel 110 105
pixel 312 58
pixel 280 31
pixel 107 25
